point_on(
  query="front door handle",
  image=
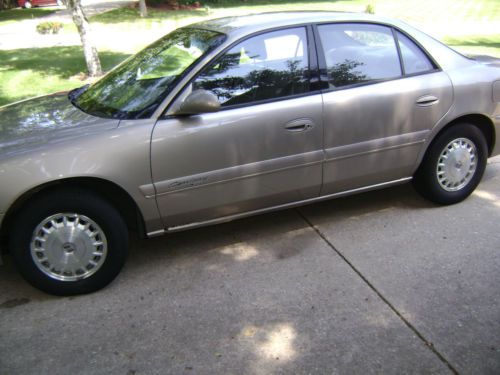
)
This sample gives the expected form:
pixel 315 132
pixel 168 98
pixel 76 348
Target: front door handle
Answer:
pixel 427 100
pixel 299 125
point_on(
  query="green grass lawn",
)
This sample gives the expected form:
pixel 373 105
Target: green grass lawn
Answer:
pixel 476 44
pixel 36 71
pixel 13 15
pixel 470 26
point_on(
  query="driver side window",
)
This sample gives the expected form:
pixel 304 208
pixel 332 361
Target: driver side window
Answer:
pixel 266 66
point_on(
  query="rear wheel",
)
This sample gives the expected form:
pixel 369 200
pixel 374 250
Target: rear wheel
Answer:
pixel 453 165
pixel 69 242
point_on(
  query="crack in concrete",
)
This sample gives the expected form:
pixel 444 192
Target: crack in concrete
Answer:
pixel 427 343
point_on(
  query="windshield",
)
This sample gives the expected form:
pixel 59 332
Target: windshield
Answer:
pixel 137 86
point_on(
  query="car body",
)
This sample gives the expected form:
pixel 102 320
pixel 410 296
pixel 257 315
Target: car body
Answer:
pixel 37 3
pixel 240 116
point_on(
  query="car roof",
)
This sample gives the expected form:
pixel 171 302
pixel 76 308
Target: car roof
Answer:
pixel 237 27
pixel 255 22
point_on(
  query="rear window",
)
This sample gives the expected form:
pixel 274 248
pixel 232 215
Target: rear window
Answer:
pixel 414 59
pixel 358 53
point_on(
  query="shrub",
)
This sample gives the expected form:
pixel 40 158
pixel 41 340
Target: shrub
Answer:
pixel 49 27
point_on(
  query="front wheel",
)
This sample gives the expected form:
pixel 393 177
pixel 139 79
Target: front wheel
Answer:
pixel 27 5
pixel 69 242
pixel 453 165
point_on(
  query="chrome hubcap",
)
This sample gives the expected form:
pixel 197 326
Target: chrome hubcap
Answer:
pixel 456 164
pixel 68 246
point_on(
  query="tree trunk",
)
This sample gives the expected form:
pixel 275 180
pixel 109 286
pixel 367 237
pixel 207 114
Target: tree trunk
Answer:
pixel 89 50
pixel 142 8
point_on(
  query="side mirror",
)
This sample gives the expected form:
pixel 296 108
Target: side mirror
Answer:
pixel 199 101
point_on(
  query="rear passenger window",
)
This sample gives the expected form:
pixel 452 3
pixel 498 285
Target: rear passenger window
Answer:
pixel 414 59
pixel 358 53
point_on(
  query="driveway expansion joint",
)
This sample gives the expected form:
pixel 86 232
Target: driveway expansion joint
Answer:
pixel 427 343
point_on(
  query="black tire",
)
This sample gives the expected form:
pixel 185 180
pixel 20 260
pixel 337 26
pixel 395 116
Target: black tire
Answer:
pixel 70 201
pixel 426 179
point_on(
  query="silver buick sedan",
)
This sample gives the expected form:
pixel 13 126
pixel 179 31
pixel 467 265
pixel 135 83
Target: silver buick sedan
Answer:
pixel 232 117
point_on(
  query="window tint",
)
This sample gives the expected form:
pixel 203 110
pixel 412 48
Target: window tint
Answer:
pixel 263 67
pixel 414 59
pixel 357 53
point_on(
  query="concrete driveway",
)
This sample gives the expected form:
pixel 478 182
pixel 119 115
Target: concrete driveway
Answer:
pixel 383 282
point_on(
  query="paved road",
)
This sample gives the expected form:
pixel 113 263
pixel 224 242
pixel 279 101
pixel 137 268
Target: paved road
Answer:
pixel 382 282
pixel 92 7
pixel 23 34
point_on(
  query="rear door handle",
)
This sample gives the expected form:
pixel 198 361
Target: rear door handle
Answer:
pixel 299 125
pixel 427 100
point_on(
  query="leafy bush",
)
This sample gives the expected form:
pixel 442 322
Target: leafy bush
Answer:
pixel 49 27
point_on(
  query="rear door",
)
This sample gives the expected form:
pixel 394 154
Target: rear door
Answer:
pixel 383 98
pixel 263 148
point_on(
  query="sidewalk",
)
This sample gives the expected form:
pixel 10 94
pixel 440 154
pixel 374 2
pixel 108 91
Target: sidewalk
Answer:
pixel 22 34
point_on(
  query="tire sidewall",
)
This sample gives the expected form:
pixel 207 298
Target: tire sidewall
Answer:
pixel 426 177
pixel 92 206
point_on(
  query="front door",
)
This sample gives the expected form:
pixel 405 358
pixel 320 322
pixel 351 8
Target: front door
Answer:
pixel 263 148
